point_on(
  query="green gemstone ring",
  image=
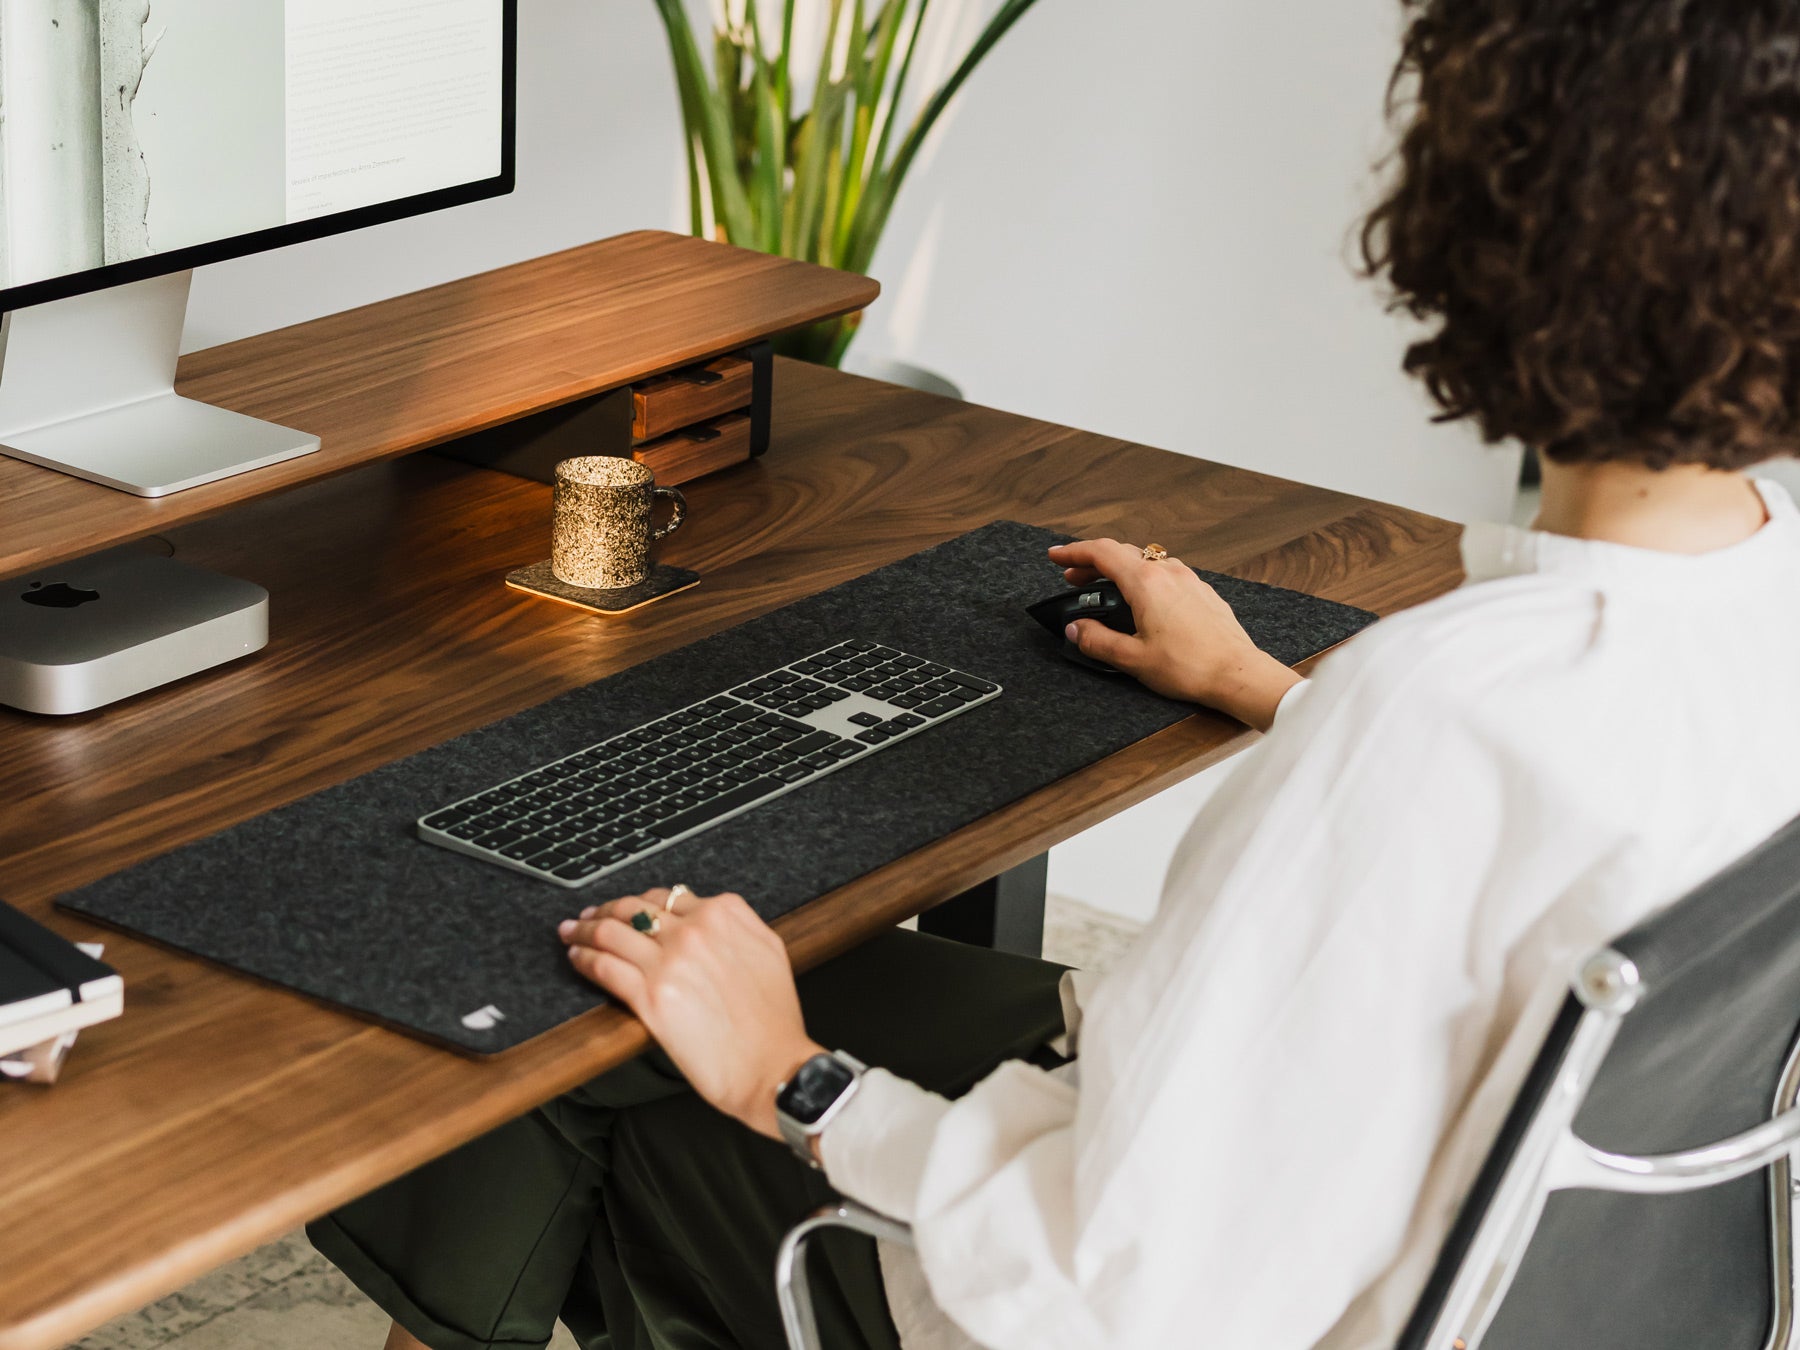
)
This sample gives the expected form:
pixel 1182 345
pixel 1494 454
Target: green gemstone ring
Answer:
pixel 645 922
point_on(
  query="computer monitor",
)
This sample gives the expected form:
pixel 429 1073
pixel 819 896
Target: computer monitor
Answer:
pixel 132 151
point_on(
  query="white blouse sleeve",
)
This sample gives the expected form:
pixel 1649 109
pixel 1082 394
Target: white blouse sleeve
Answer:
pixel 1262 1080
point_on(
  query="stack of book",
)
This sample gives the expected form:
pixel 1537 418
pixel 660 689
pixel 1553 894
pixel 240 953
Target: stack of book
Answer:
pixel 49 990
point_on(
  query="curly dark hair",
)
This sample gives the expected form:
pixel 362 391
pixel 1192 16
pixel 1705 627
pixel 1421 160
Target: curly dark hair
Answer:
pixel 1596 207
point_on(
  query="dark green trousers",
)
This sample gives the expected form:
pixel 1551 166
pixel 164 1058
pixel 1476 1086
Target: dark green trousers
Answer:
pixel 647 1221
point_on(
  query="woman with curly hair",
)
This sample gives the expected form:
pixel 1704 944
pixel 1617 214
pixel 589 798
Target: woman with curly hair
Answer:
pixel 1279 1097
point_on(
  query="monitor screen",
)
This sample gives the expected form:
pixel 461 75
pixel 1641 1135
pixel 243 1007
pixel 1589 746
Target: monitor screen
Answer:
pixel 131 147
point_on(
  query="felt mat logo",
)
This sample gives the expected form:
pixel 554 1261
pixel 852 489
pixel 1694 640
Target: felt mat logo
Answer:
pixel 483 1019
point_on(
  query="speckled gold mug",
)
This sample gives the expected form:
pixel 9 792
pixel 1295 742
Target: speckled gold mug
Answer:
pixel 602 521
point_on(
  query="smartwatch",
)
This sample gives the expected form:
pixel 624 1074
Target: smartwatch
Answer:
pixel 811 1099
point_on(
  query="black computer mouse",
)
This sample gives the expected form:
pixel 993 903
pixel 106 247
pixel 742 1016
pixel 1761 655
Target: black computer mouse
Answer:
pixel 1099 600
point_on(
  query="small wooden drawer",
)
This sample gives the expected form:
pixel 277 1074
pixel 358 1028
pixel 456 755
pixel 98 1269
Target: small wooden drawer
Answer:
pixel 695 394
pixel 695 451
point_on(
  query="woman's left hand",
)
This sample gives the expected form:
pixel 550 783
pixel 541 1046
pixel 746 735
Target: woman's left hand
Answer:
pixel 713 985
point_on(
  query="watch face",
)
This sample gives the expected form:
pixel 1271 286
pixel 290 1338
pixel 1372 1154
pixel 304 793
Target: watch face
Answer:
pixel 814 1087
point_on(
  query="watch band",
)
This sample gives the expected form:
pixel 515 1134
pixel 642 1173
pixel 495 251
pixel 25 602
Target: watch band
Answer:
pixel 803 1136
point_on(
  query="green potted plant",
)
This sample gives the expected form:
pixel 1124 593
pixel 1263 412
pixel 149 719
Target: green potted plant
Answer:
pixel 815 183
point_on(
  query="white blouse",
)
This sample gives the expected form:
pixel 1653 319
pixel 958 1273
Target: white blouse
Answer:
pixel 1289 1082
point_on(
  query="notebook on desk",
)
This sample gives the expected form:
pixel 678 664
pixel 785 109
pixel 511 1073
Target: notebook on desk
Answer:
pixel 49 987
pixel 337 897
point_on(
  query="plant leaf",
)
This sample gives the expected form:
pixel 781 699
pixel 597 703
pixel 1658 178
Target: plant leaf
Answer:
pixel 879 203
pixel 710 116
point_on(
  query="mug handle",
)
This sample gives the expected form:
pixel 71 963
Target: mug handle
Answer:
pixel 678 502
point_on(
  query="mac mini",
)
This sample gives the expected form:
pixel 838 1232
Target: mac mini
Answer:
pixel 83 634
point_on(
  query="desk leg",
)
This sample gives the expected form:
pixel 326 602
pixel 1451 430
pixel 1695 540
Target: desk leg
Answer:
pixel 1005 913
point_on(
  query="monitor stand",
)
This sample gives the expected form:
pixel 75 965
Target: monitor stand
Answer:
pixel 87 387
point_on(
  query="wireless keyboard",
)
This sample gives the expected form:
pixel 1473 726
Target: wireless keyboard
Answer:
pixel 576 819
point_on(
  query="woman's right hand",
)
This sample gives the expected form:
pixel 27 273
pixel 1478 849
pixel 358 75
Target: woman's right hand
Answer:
pixel 1189 645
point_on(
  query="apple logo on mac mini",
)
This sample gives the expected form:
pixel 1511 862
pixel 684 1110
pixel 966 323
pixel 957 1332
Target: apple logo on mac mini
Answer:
pixel 58 595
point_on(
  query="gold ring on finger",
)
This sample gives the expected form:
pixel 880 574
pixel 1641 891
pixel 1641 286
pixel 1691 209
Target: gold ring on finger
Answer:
pixel 1155 553
pixel 679 891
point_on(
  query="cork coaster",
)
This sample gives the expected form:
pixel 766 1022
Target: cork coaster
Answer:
pixel 540 581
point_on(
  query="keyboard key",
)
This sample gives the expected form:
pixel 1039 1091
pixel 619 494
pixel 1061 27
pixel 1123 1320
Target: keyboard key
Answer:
pixel 864 719
pixel 834 695
pixel 742 714
pixel 906 700
pixel 856 685
pixel 793 773
pixel 906 722
pixel 718 806
pixel 933 672
pixel 741 774
pixel 813 702
pixel 574 870
pixel 938 707
pixel 498 839
pixel 523 849
pixel 783 677
pixel 962 695
pixel 844 750
pixel 820 759
pixel 909 662
pixel 872 737
pixel 721 703
pixel 637 843
pixel 970 682
pixel 807 667
pixel 797 709
pixel 860 646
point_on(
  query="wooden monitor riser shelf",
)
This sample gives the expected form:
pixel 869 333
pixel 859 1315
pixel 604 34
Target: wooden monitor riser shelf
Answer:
pixel 417 371
pixel 218 1112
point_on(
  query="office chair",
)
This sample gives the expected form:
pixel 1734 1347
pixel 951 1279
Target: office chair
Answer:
pixel 1621 1204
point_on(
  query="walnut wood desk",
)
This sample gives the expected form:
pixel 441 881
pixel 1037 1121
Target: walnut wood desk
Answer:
pixel 219 1113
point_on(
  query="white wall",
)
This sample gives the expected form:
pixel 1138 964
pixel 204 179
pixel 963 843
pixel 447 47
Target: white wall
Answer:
pixel 1140 224
pixel 1137 223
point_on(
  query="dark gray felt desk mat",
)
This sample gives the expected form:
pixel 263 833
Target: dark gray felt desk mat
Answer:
pixel 335 896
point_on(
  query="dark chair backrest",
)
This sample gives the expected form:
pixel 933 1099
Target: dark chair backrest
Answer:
pixel 1677 1038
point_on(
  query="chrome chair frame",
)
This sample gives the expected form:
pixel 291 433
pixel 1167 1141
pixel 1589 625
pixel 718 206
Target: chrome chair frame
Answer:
pixel 1550 1158
pixel 793 1291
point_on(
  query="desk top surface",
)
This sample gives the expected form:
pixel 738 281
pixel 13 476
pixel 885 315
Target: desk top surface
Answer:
pixel 219 1113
